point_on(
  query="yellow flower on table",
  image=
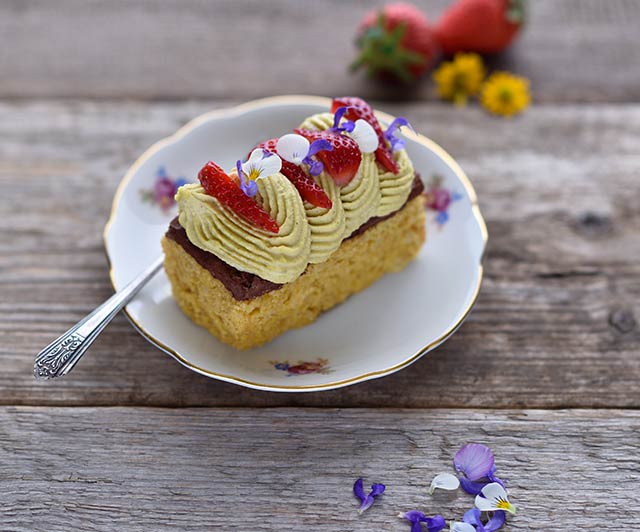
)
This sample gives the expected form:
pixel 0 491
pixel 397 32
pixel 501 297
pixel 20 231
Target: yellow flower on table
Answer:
pixel 505 94
pixel 460 78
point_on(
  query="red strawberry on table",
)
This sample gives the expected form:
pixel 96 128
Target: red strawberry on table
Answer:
pixel 343 161
pixel 309 190
pixel 395 42
pixel 361 109
pixel 483 26
pixel 217 183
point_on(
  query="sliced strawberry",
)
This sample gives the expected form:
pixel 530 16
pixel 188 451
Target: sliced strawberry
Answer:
pixel 361 109
pixel 309 190
pixel 221 186
pixel 343 161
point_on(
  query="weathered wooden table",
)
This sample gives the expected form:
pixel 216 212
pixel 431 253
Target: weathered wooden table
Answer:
pixel 545 370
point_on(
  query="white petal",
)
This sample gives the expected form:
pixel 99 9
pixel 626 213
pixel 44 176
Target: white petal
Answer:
pixel 270 165
pixel 494 491
pixel 292 148
pixel 485 505
pixel 457 526
pixel 444 481
pixel 365 136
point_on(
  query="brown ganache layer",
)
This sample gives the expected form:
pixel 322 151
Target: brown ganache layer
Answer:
pixel 244 285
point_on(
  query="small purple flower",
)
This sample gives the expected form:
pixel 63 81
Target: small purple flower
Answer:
pixel 315 166
pixel 416 518
pixel 391 134
pixel 366 500
pixel 495 522
pixel 348 126
pixel 249 187
pixel 475 466
pixel 296 149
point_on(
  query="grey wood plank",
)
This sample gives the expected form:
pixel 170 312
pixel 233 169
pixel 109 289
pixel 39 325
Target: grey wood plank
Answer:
pixel 573 50
pixel 126 469
pixel 555 324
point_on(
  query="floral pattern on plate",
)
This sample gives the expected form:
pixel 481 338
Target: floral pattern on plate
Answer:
pixel 440 198
pixel 163 190
pixel 321 366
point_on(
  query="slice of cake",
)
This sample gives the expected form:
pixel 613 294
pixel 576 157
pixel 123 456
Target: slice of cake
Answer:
pixel 308 220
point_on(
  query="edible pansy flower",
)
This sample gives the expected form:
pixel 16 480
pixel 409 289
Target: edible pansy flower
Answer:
pixel 444 481
pixel 261 163
pixel 393 131
pixel 416 518
pixel 475 464
pixel 494 497
pixel 473 518
pixel 361 131
pixel 297 150
pixel 366 500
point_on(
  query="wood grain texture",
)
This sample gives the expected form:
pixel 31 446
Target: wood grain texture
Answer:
pixel 125 469
pixel 555 324
pixel 573 50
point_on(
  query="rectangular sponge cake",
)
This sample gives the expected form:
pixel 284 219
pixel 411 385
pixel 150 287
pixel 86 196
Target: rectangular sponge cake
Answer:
pixel 384 247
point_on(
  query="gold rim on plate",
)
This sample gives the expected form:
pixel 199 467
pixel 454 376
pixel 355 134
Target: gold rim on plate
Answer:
pixel 296 99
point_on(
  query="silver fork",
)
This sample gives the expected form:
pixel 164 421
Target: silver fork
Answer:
pixel 61 355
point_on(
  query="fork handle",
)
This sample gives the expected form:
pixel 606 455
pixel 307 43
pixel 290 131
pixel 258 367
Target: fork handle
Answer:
pixel 61 355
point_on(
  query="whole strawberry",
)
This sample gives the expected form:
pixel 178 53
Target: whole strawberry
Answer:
pixel 482 26
pixel 395 42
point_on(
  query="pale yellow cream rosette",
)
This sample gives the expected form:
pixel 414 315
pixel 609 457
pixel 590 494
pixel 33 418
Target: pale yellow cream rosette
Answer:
pixel 327 225
pixel 395 188
pixel 279 258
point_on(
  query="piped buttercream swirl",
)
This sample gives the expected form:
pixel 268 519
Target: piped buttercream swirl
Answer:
pixel 215 228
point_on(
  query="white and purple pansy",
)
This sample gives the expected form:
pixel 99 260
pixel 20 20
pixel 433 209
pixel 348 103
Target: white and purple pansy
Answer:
pixel 476 467
pixel 360 131
pixel 366 500
pixel 296 149
pixel 493 497
pixel 261 163
pixel 392 133
pixel 417 518
pixel 473 518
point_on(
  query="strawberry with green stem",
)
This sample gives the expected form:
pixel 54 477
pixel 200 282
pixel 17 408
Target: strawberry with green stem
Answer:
pixel 395 42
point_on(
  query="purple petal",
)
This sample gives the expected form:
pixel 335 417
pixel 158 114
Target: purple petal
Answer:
pixel 250 188
pixel 471 487
pixel 377 489
pixel 496 521
pixel 348 126
pixel 315 167
pixel 399 122
pixel 415 516
pixel 474 460
pixel 435 523
pixel 366 504
pixel 472 517
pixel 358 490
pixel 416 526
pixel 337 116
pixel 319 145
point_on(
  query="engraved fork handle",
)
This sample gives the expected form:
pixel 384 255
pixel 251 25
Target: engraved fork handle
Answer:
pixel 61 355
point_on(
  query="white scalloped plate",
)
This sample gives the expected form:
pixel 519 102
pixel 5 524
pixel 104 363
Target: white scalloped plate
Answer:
pixel 377 332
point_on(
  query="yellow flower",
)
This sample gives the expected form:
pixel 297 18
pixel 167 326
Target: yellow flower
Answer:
pixel 505 94
pixel 460 78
